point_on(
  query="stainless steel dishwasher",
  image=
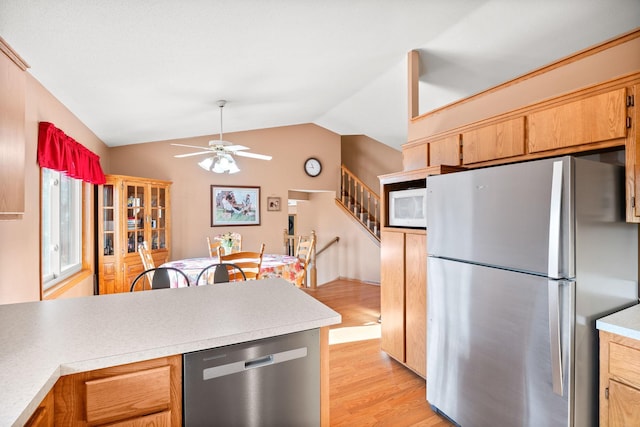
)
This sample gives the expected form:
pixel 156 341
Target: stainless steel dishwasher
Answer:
pixel 269 382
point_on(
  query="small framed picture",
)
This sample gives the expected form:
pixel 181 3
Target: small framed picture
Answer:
pixel 273 203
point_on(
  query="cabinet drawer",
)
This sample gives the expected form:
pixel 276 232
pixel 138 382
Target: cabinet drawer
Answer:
pixel 161 419
pixel 124 396
pixel 624 363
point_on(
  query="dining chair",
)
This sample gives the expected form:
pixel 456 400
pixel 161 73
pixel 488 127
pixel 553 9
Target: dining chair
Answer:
pixel 220 273
pixel 237 241
pixel 157 278
pixel 249 262
pixel 305 249
pixel 145 255
pixel 213 245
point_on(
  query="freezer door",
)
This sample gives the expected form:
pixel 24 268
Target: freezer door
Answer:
pixel 505 216
pixel 498 346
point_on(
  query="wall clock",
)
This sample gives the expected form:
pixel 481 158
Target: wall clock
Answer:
pixel 312 166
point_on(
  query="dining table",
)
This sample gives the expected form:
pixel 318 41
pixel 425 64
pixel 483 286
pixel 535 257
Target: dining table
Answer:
pixel 273 265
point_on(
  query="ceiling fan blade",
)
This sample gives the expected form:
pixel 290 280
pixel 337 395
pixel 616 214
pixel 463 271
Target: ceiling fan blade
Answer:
pixel 253 155
pixel 191 146
pixel 235 147
pixel 193 154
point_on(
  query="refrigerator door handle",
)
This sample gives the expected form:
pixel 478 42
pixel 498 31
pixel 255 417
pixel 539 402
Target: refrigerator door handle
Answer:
pixel 555 215
pixel 554 337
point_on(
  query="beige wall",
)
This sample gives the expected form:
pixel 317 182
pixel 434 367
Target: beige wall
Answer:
pixel 368 158
pixel 190 191
pixel 20 239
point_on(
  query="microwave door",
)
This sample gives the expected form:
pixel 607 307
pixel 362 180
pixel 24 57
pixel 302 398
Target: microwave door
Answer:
pixel 407 208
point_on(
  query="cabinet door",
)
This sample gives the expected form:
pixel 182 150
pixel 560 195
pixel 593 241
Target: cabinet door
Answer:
pixel 136 205
pixel 594 119
pixel 624 404
pixel 415 157
pixel 416 302
pixel 392 297
pixel 157 219
pixel 496 141
pixel 136 394
pixel 633 160
pixel 445 151
pixel 12 137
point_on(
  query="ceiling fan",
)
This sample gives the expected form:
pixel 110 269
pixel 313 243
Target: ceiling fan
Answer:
pixel 221 151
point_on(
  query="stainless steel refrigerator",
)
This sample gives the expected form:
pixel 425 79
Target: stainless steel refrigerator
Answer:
pixel 522 259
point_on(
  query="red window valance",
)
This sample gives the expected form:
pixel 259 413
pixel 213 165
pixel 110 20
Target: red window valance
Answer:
pixel 60 152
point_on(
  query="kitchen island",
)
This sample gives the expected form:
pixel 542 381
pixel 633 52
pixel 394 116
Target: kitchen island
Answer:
pixel 620 368
pixel 42 341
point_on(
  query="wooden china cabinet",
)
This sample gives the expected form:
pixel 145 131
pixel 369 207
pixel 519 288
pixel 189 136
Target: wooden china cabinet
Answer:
pixel 131 210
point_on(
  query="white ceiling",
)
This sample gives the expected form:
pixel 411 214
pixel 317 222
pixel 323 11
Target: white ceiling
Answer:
pixel 149 70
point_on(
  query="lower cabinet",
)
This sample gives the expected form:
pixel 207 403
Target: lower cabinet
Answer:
pixel 619 380
pixel 44 414
pixel 138 394
pixel 403 297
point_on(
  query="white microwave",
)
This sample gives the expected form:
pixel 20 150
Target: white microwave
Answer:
pixel 407 208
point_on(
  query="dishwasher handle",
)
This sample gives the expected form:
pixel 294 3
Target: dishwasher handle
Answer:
pixel 257 363
pixel 245 365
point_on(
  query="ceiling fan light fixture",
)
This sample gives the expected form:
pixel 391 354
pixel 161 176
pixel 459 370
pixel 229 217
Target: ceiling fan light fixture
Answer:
pixel 220 163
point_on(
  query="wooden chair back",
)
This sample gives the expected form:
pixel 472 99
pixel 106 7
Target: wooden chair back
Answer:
pixel 147 260
pixel 305 249
pixel 213 245
pixel 249 262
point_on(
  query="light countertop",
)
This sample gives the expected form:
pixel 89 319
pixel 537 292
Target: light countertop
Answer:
pixel 624 322
pixel 40 341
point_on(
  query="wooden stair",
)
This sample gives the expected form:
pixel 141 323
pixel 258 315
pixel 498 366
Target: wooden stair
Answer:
pixel 360 201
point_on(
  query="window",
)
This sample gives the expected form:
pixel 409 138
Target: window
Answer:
pixel 61 227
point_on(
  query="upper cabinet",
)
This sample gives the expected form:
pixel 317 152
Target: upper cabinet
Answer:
pixel 596 118
pixel 131 211
pixel 12 133
pixel 495 141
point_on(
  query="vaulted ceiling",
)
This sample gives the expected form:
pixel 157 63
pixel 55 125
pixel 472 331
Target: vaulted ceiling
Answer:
pixel 148 70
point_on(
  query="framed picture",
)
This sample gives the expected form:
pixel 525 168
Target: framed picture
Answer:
pixel 273 203
pixel 233 205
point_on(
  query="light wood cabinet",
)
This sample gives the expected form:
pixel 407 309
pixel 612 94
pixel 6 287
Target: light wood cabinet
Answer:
pixel 44 414
pixel 619 380
pixel 495 141
pixel 633 157
pixel 12 133
pixel 403 297
pixel 392 293
pixel 137 394
pixel 597 118
pixel 131 210
pixel 415 279
pixel 415 157
pixel 445 151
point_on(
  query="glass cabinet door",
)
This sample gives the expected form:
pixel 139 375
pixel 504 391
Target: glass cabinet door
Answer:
pixel 135 216
pixel 158 218
pixel 108 214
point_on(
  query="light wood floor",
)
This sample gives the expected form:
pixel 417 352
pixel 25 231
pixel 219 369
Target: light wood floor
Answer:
pixel 367 387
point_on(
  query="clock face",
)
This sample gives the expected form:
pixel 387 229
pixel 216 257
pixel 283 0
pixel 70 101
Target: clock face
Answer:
pixel 312 167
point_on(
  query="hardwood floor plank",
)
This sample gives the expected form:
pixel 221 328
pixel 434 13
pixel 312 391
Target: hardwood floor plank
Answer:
pixel 367 387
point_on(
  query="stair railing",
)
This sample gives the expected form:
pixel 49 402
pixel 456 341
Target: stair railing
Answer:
pixel 361 201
